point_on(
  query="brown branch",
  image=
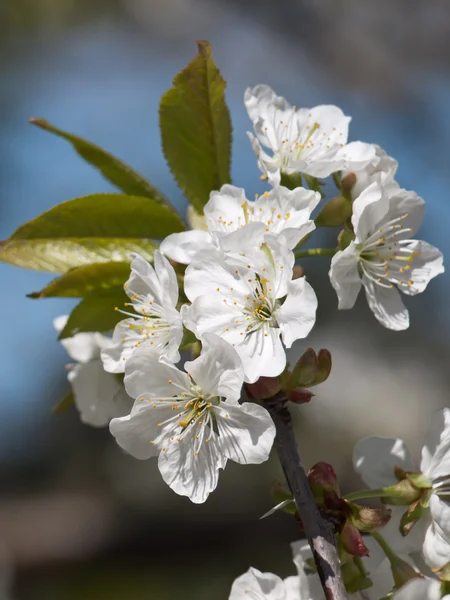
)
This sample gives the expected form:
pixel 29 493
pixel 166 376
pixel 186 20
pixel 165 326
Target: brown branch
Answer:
pixel 320 536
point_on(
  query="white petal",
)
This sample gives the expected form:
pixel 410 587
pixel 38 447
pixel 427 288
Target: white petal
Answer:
pixel 140 433
pixel 99 396
pixel 387 305
pixel 246 238
pixel 374 458
pixel 357 155
pixel 224 211
pixel 167 279
pixel 246 432
pixel 369 209
pixel 424 267
pixel 297 315
pixel 382 168
pixel 436 450
pixel 143 282
pixel 208 314
pixel 218 370
pixel 262 354
pixel 190 474
pixel 436 548
pixel 82 347
pixel 310 586
pixel 266 164
pixel 440 513
pixel 254 584
pixel 402 202
pixel 148 373
pixel 344 276
pixel 209 272
pixel 182 247
pixel 260 100
pixel 419 589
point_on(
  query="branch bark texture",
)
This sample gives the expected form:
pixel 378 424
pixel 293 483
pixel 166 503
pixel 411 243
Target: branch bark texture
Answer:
pixel 320 536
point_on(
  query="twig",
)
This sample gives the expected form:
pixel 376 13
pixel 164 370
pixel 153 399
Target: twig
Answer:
pixel 320 536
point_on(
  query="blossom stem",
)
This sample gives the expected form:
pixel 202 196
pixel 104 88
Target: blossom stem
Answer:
pixel 390 554
pixel 320 535
pixel 365 494
pixel 337 180
pixel 315 252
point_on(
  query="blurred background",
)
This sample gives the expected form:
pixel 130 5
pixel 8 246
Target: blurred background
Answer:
pixel 78 518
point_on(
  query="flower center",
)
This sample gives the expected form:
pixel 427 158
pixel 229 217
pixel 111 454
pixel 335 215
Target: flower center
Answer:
pixel 383 256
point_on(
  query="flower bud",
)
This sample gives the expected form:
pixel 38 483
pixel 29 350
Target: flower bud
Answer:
pixel 368 519
pixel 297 272
pixel 352 540
pixel 324 366
pixel 265 387
pixel 305 371
pixel 334 213
pixel 348 182
pixel 299 396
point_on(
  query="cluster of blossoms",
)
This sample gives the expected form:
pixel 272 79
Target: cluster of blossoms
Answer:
pixel 240 307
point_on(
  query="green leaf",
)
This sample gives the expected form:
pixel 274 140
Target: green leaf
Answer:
pixel 91 229
pixel 196 128
pixel 81 281
pixel 63 405
pixel 112 169
pixel 96 312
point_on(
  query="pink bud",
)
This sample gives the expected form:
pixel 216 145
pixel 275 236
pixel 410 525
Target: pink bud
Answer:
pixel 300 396
pixel 265 387
pixel 352 540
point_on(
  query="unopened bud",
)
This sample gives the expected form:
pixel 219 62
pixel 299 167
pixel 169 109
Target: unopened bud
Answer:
pixel 297 272
pixel 324 366
pixel 352 540
pixel 334 213
pixel 265 387
pixel 305 371
pixel 299 396
pixel 322 474
pixel 369 519
pixel 348 182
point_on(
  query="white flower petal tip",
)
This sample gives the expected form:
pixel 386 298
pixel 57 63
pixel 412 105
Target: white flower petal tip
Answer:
pixel 192 420
pixel 276 508
pixel 155 322
pixel 250 301
pixel 311 141
pixel 420 589
pixel 382 257
pixel 382 168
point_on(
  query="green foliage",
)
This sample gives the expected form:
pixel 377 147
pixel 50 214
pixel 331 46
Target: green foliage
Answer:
pixel 91 229
pixel 196 128
pixel 96 312
pixel 112 169
pixel 81 281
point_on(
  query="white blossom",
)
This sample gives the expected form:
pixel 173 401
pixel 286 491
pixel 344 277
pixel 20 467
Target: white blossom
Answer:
pixel 254 585
pixel 374 459
pixel 232 221
pixel 382 258
pixel 311 141
pixel 382 168
pixel 157 324
pixel 99 396
pixel 251 303
pixel 192 420
pixel 421 589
